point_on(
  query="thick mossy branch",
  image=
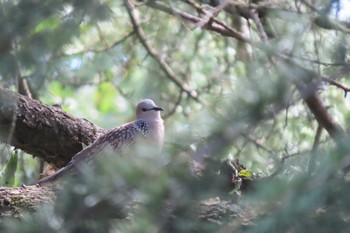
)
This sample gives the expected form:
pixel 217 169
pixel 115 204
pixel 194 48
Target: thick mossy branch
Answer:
pixel 13 201
pixel 16 201
pixel 43 131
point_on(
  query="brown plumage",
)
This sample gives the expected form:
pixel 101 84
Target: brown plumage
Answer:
pixel 148 128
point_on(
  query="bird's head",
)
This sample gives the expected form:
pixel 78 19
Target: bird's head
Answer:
pixel 147 109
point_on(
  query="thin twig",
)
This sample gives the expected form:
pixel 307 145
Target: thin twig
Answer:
pixel 313 101
pixel 209 14
pixel 172 111
pixel 217 25
pixel 282 162
pixel 337 84
pixel 316 61
pixel 311 163
pixel 257 143
pixel 154 54
pixel 309 5
pixel 116 43
pixel 259 26
pixel 331 78
pixel 326 22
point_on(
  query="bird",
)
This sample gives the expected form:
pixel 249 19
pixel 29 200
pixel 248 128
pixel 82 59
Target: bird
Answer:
pixel 147 129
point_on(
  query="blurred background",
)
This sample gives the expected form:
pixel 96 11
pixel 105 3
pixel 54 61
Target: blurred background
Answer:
pixel 227 74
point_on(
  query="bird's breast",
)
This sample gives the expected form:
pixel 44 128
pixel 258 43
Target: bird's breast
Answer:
pixel 156 133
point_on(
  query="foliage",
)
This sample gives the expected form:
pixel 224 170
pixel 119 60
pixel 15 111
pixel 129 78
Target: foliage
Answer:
pixel 8 174
pixel 241 95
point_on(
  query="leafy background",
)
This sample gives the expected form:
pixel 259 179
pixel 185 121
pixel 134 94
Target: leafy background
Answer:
pixel 88 57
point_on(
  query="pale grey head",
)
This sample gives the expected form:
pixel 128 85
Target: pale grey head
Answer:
pixel 147 109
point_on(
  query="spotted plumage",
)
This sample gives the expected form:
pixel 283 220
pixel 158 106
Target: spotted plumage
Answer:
pixel 142 126
pixel 148 127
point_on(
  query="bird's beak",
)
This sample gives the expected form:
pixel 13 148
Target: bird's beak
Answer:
pixel 157 109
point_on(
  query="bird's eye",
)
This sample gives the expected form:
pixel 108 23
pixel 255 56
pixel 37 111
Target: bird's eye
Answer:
pixel 144 109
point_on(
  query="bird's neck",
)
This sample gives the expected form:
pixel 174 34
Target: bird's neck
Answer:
pixel 156 131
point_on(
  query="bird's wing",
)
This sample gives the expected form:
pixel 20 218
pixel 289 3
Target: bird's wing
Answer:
pixel 118 139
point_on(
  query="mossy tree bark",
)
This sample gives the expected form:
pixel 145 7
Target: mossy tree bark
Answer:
pixel 43 131
pixel 14 201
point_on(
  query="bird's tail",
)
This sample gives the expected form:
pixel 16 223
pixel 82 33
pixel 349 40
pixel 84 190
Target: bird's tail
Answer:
pixel 52 178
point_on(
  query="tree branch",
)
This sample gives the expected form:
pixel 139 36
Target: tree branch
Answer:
pixel 43 131
pixel 306 83
pixel 337 84
pixel 215 26
pixel 154 54
pixel 13 201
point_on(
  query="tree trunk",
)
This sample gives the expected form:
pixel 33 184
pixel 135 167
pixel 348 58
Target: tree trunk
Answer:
pixel 43 131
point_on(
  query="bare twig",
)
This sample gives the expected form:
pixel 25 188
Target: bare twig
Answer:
pixel 337 84
pixel 154 54
pixel 313 101
pixel 326 22
pixel 311 163
pixel 216 26
pixel 316 61
pixel 257 143
pixel 116 43
pixel 259 26
pixel 331 79
pixel 172 111
pixel 209 14
pixel 309 5
pixel 282 162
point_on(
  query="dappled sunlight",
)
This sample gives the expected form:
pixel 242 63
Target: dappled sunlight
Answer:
pixel 254 98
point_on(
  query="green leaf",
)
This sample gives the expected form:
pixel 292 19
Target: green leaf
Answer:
pixel 245 173
pixel 8 174
pixel 50 23
pixel 105 97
